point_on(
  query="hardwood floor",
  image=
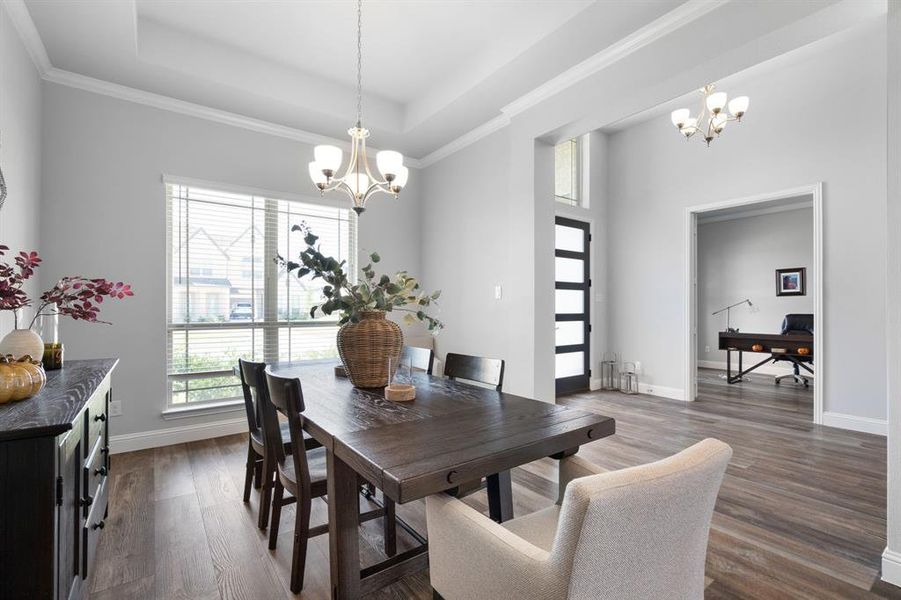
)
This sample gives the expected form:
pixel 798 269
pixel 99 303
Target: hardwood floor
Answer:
pixel 801 513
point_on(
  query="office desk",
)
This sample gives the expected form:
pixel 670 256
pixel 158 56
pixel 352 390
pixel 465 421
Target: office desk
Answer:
pixel 779 347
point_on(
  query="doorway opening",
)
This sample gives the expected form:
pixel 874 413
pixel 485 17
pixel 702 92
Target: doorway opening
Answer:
pixel 572 306
pixel 750 316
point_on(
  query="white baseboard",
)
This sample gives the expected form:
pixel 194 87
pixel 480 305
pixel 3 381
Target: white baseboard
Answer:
pixel 891 566
pixel 661 391
pixel 764 370
pixel 855 423
pixel 129 442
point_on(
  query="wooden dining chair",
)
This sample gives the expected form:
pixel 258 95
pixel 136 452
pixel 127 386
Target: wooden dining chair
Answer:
pixel 304 475
pixel 259 472
pixel 421 358
pixel 489 371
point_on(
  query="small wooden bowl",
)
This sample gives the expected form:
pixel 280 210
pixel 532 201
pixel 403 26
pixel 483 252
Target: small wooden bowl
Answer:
pixel 400 392
pixel 757 347
pixel 340 371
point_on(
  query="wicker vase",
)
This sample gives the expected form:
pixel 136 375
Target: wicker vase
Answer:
pixel 365 348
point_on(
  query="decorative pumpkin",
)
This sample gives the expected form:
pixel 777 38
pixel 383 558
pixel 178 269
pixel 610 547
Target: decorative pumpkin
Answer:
pixel 757 347
pixel 803 351
pixel 20 379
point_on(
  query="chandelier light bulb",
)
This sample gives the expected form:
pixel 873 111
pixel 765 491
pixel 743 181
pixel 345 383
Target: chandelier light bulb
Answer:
pixel 716 102
pixel 690 126
pixel 400 181
pixel 316 174
pixel 739 106
pixel 389 163
pixel 719 122
pixel 679 117
pixel 328 158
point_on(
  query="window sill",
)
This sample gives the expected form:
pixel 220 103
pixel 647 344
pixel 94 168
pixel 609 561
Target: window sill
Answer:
pixel 212 408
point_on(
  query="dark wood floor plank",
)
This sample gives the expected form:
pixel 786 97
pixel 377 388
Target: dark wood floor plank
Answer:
pixel 174 475
pixel 183 561
pixel 801 513
pixel 130 551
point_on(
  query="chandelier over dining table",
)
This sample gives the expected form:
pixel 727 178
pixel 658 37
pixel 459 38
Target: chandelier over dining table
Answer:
pixel 712 118
pixel 358 181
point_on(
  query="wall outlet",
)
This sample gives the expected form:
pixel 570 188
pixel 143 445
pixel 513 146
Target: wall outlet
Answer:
pixel 706 348
pixel 115 408
pixel 498 292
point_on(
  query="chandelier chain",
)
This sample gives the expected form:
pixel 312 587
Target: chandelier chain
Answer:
pixel 359 63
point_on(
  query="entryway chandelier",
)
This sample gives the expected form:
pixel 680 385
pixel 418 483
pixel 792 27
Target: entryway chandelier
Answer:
pixel 358 181
pixel 712 110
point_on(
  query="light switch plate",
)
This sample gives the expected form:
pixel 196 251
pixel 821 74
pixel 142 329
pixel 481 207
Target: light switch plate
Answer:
pixel 115 408
pixel 498 292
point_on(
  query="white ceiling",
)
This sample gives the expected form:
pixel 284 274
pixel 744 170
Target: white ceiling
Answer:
pixel 433 70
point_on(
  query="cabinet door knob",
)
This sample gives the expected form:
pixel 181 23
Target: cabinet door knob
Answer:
pixel 98 525
pixel 100 417
pixel 87 501
pixel 101 471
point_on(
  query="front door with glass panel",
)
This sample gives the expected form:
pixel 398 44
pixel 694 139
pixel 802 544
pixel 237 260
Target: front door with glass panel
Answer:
pixel 573 285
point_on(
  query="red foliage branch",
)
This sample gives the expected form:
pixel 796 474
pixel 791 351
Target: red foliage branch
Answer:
pixel 74 296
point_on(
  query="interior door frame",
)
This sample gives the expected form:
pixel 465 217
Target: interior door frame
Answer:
pixel 588 226
pixel 690 327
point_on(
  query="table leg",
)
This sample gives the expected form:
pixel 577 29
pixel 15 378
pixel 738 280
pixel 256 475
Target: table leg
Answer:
pixel 344 519
pixel 500 497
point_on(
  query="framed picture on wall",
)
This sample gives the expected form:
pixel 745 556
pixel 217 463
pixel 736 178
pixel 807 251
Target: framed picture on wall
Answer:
pixel 791 282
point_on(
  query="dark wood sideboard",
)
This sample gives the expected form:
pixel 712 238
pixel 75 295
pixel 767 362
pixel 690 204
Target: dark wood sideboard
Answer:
pixel 54 465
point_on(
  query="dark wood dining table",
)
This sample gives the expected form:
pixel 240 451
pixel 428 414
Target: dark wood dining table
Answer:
pixel 452 433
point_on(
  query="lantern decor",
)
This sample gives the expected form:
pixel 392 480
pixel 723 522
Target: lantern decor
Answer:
pixel 628 379
pixel 609 364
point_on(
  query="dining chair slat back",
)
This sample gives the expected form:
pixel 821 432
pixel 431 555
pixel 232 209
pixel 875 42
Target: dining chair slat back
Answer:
pixel 286 397
pixel 422 359
pixel 489 371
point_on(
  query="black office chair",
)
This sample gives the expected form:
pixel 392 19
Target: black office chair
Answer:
pixel 796 324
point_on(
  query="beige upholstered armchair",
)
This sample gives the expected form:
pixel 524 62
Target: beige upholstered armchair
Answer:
pixel 638 533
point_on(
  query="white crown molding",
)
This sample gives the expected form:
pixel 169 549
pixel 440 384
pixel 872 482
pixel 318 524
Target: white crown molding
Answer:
pixel 28 33
pixel 671 21
pixel 129 94
pixel 30 37
pixel 468 138
pixel 653 31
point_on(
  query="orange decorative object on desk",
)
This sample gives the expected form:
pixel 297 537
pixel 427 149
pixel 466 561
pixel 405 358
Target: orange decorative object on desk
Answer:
pixel 803 351
pixel 20 379
pixel 757 347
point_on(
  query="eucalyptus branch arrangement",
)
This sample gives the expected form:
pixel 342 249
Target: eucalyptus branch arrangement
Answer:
pixel 401 293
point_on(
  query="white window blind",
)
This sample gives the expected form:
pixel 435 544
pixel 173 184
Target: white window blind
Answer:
pixel 227 297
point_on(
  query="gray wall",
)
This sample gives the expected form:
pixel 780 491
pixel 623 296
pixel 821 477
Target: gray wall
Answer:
pixel 103 214
pixel 464 251
pixel 790 137
pixel 737 259
pixel 20 149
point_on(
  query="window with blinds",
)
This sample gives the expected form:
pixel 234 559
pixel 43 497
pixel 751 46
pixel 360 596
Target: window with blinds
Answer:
pixel 229 299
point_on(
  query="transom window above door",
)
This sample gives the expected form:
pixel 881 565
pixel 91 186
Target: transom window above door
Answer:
pixel 227 296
